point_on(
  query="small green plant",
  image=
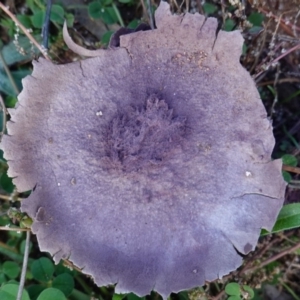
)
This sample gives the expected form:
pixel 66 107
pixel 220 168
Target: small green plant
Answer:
pixel 236 291
pixel 103 10
pixel 47 281
pixel 289 160
pixel 38 9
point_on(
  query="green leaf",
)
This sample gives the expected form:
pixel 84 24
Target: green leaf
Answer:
pixel 133 24
pixel 8 24
pixel 78 295
pixel 125 1
pixel 118 296
pixel 57 14
pixel 2 278
pixel 24 20
pixel 184 295
pixel 288 218
pixel 248 290
pixel 109 16
pixel 256 18
pixel 34 290
pixel 106 2
pixel 255 30
pixel 95 10
pixel 19 76
pixel 32 5
pixel 12 55
pixel 70 20
pixel 286 176
pixel 244 49
pixel 22 247
pixel 229 25
pixel 10 101
pixel 11 269
pixel 290 160
pixel 233 289
pixel 61 269
pixel 42 269
pixel 234 298
pixel 10 291
pixel 6 183
pixel 9 253
pixel 5 83
pixel 51 294
pixel 38 19
pixel 209 8
pixel 65 283
pixel 16 235
pixel 106 37
pixel 132 296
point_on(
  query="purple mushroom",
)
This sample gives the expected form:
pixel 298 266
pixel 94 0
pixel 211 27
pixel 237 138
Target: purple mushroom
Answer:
pixel 150 163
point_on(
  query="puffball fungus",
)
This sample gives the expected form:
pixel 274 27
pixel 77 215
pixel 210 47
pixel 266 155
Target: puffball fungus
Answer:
pixel 151 161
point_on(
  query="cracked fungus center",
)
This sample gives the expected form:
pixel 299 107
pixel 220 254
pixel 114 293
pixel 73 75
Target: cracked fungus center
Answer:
pixel 142 138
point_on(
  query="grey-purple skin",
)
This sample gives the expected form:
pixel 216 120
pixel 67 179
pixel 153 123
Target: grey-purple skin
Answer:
pixel 151 160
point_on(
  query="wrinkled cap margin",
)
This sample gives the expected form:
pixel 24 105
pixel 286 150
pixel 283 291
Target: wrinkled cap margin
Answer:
pixel 151 161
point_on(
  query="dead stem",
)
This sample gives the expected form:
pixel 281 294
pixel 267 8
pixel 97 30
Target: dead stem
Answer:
pixel 283 80
pixel 273 258
pixel 278 58
pixel 10 198
pixel 291 169
pixel 13 229
pixel 150 14
pixel 261 48
pixel 258 254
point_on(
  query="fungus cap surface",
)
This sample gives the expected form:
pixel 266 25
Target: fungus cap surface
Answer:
pixel 151 161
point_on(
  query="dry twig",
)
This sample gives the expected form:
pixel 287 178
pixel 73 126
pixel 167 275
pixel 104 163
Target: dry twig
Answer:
pixel 291 169
pixel 13 228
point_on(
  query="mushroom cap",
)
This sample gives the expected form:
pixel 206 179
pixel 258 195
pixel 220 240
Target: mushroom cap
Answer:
pixel 151 162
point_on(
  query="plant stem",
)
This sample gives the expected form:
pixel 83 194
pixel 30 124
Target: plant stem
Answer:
pixel 118 15
pixel 13 228
pixel 150 14
pixel 45 30
pixel 290 291
pixel 10 198
pixel 273 258
pixel 24 267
